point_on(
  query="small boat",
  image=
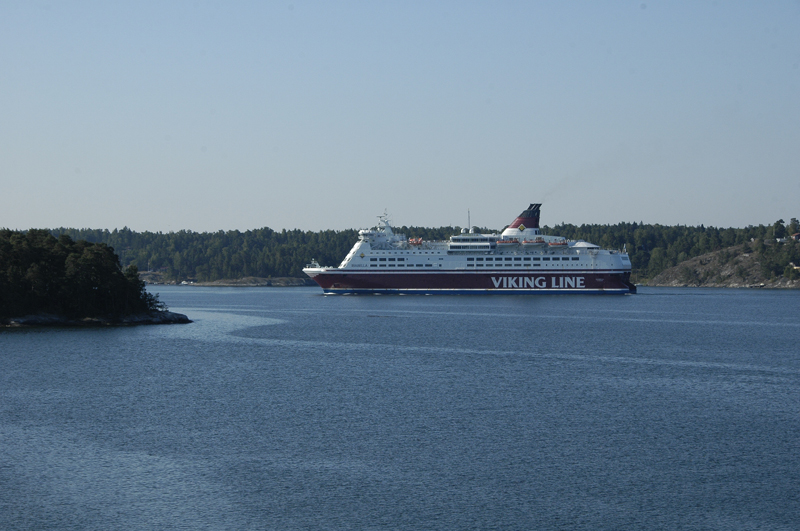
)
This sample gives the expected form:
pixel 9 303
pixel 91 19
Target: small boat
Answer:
pixel 560 243
pixel 509 241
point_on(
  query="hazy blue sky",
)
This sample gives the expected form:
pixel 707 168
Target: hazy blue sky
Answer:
pixel 315 115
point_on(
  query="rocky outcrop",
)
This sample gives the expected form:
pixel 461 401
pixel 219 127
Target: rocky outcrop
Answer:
pixel 733 267
pixel 48 320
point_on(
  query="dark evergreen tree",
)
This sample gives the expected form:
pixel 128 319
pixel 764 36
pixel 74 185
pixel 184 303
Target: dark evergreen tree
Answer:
pixel 778 229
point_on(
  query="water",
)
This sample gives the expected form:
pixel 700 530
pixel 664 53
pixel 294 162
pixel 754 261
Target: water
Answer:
pixel 284 409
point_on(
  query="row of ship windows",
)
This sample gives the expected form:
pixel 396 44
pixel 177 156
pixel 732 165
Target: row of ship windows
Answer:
pixel 405 252
pixel 401 265
pixel 468 265
pixel 527 259
pixel 507 259
pixel 514 265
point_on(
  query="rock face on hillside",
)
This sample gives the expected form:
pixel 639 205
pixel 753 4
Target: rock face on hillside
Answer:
pixel 47 320
pixel 733 267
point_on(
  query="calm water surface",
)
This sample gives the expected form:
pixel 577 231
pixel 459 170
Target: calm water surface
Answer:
pixel 285 409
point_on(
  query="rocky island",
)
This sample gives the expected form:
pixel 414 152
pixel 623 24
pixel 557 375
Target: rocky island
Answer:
pixel 48 281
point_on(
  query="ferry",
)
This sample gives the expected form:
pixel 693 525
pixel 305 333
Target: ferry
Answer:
pixel 385 262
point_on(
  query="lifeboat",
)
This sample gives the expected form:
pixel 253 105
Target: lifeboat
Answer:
pixel 415 241
pixel 560 243
pixel 535 241
pixel 509 241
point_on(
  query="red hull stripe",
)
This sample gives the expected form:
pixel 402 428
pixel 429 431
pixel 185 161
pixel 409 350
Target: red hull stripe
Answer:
pixel 494 281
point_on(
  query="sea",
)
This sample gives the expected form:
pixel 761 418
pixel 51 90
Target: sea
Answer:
pixel 284 409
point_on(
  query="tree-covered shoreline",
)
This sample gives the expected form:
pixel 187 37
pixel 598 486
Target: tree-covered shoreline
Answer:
pixel 267 253
pixel 42 274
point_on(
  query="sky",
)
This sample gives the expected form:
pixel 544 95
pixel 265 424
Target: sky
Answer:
pixel 206 116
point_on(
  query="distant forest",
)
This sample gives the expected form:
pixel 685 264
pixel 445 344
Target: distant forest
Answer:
pixel 209 256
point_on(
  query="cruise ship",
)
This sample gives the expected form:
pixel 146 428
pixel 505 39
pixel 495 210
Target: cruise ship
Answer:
pixel 520 260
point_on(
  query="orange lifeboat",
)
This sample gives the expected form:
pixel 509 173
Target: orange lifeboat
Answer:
pixel 535 241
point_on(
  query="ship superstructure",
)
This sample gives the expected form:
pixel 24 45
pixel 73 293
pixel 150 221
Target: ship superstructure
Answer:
pixel 518 260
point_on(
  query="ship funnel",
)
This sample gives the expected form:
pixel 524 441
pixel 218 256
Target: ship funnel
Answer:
pixel 529 218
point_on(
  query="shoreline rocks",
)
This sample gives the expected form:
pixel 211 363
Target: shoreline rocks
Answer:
pixel 50 320
pixel 258 282
pixel 153 278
